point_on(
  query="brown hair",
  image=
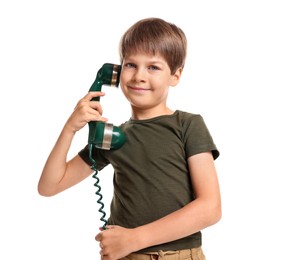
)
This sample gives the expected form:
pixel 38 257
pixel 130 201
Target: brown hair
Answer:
pixel 155 36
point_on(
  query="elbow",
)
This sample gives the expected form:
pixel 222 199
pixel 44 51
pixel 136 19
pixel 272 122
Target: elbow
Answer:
pixel 45 192
pixel 211 212
pixel 216 214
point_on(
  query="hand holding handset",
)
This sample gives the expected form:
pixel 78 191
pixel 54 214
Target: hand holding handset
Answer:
pixel 104 135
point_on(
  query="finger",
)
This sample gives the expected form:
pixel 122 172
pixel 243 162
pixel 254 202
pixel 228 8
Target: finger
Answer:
pixel 93 94
pixel 102 253
pixel 88 113
pixel 98 237
pixel 96 106
pixel 97 117
pixel 87 99
pixel 111 226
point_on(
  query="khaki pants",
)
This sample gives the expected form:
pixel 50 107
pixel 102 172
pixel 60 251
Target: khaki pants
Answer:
pixel 188 254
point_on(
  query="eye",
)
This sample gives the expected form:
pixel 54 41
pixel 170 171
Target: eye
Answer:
pixel 153 67
pixel 130 65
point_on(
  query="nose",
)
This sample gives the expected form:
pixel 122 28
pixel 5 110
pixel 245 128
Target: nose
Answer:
pixel 139 75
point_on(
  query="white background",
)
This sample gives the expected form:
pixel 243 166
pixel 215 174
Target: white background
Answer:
pixel 234 76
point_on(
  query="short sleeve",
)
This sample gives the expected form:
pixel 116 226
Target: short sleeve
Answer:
pixel 197 138
pixel 98 156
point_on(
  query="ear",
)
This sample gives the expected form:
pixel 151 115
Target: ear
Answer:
pixel 175 78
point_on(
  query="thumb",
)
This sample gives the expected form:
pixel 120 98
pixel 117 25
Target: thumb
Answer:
pixel 111 226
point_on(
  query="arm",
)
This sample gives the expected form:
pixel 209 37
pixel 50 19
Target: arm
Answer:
pixel 204 211
pixel 58 173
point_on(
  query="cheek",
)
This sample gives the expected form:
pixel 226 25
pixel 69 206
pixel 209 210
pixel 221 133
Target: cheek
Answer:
pixel 123 78
pixel 123 88
pixel 160 84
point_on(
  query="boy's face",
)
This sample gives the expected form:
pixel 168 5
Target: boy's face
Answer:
pixel 145 80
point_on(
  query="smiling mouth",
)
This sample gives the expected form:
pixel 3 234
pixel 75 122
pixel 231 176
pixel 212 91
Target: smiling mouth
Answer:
pixel 139 89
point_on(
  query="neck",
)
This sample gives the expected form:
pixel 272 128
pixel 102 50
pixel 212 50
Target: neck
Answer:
pixel 141 114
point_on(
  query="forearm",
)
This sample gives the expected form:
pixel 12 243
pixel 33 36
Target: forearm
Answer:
pixel 192 218
pixel 56 163
pixel 58 174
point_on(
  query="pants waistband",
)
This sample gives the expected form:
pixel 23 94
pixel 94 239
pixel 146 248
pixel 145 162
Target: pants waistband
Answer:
pixel 181 254
pixel 159 255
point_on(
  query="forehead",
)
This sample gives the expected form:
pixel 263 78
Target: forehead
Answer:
pixel 145 56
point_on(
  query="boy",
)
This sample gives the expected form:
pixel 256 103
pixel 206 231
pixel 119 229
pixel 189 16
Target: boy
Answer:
pixel 165 183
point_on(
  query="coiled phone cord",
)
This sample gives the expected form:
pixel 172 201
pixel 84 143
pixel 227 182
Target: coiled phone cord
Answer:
pixel 96 184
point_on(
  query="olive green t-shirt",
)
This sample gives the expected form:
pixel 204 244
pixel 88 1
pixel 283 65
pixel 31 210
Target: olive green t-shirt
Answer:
pixel 151 175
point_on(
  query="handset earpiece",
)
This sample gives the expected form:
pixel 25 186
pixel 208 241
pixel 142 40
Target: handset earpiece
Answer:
pixel 108 74
pixel 105 135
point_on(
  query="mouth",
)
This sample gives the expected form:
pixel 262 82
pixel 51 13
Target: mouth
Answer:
pixel 139 89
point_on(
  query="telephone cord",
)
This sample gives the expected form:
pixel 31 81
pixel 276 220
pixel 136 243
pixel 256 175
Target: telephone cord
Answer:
pixel 96 184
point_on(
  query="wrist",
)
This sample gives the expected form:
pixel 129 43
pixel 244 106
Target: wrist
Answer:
pixel 68 130
pixel 140 241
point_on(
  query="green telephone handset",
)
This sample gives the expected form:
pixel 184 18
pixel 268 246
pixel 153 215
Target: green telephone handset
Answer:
pixel 104 135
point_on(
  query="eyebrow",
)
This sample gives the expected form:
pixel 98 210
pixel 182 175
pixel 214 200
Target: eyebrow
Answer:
pixel 153 61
